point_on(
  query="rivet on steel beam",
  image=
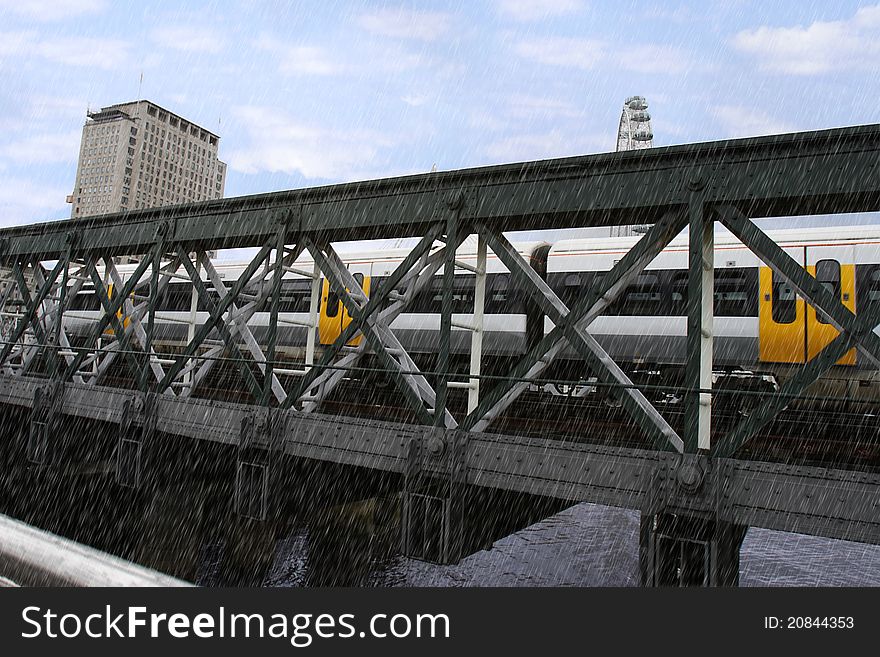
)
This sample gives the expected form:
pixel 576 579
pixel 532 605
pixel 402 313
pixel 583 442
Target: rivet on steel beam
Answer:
pixel 455 200
pixel 436 446
pixel 696 183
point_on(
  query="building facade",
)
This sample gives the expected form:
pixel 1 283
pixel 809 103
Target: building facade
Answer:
pixel 139 155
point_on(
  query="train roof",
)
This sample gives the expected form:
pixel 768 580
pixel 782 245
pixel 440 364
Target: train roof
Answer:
pixel 787 236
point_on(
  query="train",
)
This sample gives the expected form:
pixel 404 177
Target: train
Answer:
pixel 763 331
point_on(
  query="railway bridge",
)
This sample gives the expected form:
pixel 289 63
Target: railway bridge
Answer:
pixel 120 398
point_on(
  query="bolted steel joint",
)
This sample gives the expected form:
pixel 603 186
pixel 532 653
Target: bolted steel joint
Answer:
pixel 455 201
pixel 690 475
pixel 696 183
pixel 436 446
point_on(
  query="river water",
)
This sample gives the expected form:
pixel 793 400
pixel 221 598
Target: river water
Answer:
pixel 591 545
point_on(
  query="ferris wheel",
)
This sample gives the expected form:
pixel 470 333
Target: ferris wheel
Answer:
pixel 634 132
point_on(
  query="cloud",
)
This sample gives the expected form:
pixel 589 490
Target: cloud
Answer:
pixel 533 10
pixel 406 23
pixel 821 47
pixel 107 54
pixel 23 201
pixel 415 100
pixel 540 146
pixel 563 51
pixel 56 10
pixel 281 143
pixel 188 38
pixel 587 54
pixel 739 121
pixel 43 149
pixel 301 60
pixel 521 106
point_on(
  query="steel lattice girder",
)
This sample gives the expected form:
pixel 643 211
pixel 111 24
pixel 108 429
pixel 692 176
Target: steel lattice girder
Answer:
pixel 809 500
pixel 635 403
pixel 587 308
pixel 801 173
pixel 404 372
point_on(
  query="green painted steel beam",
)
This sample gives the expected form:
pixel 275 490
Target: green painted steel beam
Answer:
pixel 590 304
pixel 31 308
pixel 806 285
pixel 375 302
pixel 215 321
pixel 338 285
pixel 801 173
pixel 125 346
pixel 797 385
pixel 110 312
pixel 215 315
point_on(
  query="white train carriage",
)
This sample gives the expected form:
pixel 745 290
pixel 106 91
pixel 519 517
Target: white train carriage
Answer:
pixel 758 317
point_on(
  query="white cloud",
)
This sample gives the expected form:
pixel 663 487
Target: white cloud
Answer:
pixel 280 143
pixel 43 149
pixel 107 54
pixel 739 121
pixel 188 38
pixel 821 47
pixel 521 106
pixel 563 51
pixel 407 23
pixel 54 10
pixel 555 143
pixel 301 60
pixel 24 201
pixel 532 10
pixel 588 54
pixel 651 58
pixel 415 100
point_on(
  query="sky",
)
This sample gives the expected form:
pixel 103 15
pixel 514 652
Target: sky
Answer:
pixel 311 93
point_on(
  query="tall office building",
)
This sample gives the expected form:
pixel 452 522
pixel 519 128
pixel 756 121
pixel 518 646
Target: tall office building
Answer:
pixel 139 155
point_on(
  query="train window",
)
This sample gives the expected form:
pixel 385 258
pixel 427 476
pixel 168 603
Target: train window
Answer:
pixel 430 300
pixel 332 303
pixel 678 289
pixel 643 297
pixel 295 296
pixel 333 298
pixel 501 299
pixel 732 294
pixel 874 286
pixel 784 303
pixel 828 274
pixel 213 295
pixel 176 296
pixel 85 300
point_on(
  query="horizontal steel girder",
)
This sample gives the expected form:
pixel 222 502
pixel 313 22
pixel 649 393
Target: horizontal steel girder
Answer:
pixel 809 500
pixel 827 171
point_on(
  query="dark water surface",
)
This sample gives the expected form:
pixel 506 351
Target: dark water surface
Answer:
pixel 591 545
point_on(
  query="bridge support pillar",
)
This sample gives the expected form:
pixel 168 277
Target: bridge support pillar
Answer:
pixel 135 432
pixel 676 550
pixel 433 522
pixel 44 418
pixel 257 441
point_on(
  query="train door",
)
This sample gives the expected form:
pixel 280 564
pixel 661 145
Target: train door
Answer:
pixel 832 266
pixel 334 318
pixel 119 313
pixel 781 316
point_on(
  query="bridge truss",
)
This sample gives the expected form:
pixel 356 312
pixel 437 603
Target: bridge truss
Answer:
pixel 688 483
